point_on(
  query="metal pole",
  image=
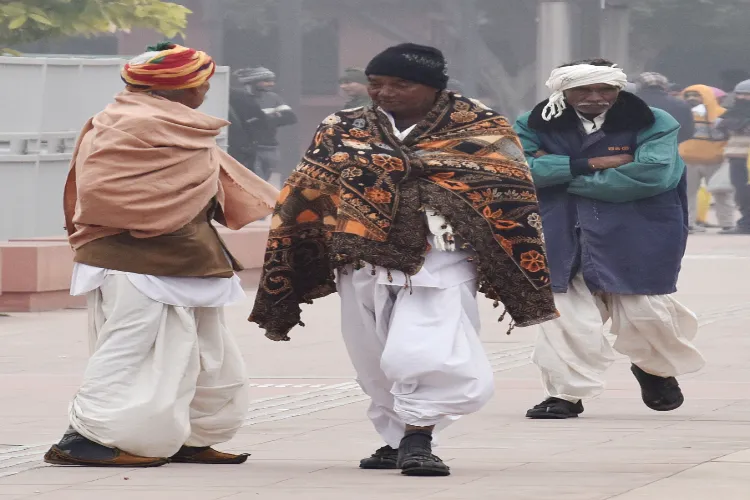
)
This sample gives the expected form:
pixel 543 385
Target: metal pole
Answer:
pixel 289 13
pixel 469 47
pixel 615 33
pixel 553 40
pixel 213 17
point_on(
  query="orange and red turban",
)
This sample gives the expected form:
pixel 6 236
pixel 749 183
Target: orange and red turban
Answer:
pixel 168 66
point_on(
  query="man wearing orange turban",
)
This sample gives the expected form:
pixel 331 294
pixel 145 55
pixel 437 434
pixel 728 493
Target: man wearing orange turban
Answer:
pixel 165 381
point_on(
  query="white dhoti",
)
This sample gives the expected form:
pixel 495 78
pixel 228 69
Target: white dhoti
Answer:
pixel 160 376
pixel 654 331
pixel 416 350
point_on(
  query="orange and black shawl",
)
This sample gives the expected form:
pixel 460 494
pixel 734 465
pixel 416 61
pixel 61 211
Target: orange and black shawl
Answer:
pixel 358 197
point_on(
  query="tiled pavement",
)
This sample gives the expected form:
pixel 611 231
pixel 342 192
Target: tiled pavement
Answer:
pixel 306 427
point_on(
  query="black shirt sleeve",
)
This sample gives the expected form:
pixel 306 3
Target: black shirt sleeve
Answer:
pixel 580 167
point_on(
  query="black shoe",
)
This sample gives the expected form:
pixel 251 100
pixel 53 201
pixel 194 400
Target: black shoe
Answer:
pixel 385 458
pixel 415 456
pixel 659 393
pixel 555 409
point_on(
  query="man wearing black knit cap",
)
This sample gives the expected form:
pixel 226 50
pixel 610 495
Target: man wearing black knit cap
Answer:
pixel 407 208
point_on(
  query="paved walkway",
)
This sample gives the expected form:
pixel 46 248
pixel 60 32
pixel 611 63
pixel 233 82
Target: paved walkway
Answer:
pixel 307 430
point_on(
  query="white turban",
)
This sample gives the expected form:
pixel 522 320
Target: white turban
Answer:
pixel 580 75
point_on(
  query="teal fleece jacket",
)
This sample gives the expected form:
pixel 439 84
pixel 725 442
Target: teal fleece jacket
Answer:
pixel 657 167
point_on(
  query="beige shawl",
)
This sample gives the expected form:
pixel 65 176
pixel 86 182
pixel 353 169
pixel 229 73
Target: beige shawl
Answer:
pixel 148 165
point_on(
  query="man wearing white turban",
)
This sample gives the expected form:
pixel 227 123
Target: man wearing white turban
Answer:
pixel 612 190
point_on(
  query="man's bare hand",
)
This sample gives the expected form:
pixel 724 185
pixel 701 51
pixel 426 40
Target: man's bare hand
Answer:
pixel 605 162
pixel 540 153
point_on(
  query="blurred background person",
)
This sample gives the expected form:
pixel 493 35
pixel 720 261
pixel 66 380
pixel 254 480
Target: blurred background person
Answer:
pixel 259 84
pixel 658 92
pixel 704 154
pixel 353 84
pixel 730 78
pixel 736 122
pixel 244 112
pixel 654 88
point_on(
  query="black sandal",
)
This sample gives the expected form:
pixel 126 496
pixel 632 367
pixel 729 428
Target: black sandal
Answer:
pixel 415 456
pixel 659 393
pixel 384 458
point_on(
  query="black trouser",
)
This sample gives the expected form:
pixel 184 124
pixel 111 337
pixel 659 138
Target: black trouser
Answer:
pixel 739 175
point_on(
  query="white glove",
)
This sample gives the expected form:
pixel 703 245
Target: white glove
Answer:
pixel 443 232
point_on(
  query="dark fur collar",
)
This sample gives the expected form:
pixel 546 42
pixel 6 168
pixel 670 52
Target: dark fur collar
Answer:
pixel 630 113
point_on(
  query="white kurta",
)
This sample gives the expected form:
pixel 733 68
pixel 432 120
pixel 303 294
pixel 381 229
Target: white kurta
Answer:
pixel 654 331
pixel 161 375
pixel 175 291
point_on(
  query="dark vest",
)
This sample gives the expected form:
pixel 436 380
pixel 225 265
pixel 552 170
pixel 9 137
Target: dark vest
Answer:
pixel 196 250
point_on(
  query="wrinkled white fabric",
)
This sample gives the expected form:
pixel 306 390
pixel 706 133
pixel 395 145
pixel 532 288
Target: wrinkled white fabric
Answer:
pixel 443 232
pixel 579 75
pixel 400 134
pixel 654 331
pixel 159 376
pixel 416 351
pixel 175 291
pixel 440 270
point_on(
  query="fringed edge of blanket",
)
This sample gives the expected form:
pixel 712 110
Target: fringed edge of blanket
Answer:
pixel 499 277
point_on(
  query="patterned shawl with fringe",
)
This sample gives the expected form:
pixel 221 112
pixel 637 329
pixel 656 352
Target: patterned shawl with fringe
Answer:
pixel 358 197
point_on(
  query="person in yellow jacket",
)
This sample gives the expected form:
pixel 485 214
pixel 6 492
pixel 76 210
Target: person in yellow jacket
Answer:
pixel 704 206
pixel 704 154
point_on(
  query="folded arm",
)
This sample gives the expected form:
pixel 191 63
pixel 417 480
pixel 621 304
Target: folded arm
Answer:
pixel 656 168
pixel 281 115
pixel 547 169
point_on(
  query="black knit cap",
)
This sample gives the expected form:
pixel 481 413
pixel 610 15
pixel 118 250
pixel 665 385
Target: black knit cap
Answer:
pixel 412 62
